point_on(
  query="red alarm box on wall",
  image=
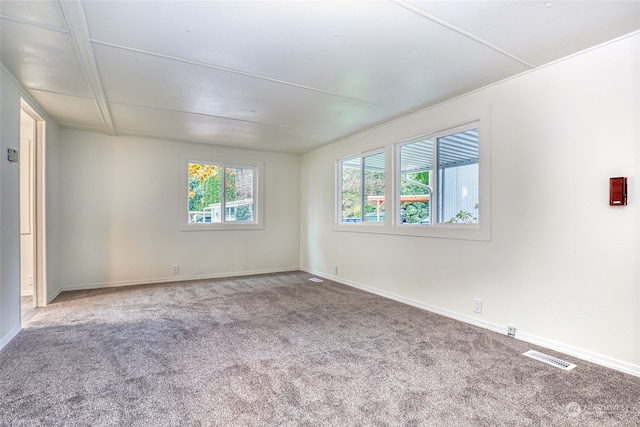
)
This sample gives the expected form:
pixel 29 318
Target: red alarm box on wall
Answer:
pixel 618 191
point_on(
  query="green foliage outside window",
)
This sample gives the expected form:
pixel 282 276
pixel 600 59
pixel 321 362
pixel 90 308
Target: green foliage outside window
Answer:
pixel 412 212
pixel 465 217
pixel 352 190
pixel 243 213
pixel 205 187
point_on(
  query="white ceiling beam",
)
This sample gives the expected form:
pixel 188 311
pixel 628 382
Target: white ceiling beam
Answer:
pixel 77 23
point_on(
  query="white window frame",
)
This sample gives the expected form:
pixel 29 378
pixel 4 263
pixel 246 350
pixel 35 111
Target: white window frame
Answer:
pixel 435 204
pixel 338 186
pixel 258 192
pixel 473 231
pixel 478 231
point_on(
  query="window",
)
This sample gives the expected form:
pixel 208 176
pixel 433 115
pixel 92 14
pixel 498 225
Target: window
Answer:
pixel 440 181
pixel 221 195
pixel 439 178
pixel 362 189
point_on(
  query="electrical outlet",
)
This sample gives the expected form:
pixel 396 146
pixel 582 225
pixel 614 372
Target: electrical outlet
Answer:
pixel 477 305
pixel 335 269
pixel 176 269
pixel 511 331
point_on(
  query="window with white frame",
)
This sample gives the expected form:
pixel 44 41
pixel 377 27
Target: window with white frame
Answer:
pixel 220 195
pixel 361 188
pixel 438 177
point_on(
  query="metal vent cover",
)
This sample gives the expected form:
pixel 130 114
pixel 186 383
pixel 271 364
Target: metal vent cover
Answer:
pixel 553 361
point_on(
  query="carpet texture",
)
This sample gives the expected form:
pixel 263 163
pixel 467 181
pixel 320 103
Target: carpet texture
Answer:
pixel 280 350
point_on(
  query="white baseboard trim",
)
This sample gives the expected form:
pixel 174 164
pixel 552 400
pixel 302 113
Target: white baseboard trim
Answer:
pixel 28 293
pixel 54 296
pixel 608 362
pixel 501 329
pixel 11 335
pixel 171 279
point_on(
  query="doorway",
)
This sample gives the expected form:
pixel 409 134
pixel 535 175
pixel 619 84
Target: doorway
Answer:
pixel 32 274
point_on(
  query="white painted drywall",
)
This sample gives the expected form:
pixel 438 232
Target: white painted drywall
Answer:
pixel 562 265
pixel 10 97
pixel 9 211
pixel 120 200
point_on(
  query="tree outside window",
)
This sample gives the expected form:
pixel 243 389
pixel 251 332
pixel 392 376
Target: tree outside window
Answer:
pixel 362 184
pixel 214 199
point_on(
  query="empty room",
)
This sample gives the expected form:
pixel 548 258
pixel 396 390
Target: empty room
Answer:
pixel 319 213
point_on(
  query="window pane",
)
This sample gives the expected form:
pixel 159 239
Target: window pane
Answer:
pixel 204 192
pixel 374 188
pixel 458 189
pixel 351 191
pixel 416 163
pixel 362 184
pixel 239 185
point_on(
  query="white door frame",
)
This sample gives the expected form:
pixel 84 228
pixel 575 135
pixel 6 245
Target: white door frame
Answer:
pixel 40 265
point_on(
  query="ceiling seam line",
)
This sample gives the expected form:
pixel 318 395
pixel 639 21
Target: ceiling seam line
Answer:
pixel 35 24
pixel 213 116
pixel 217 144
pixel 462 32
pixel 73 126
pixel 76 21
pixel 245 74
pixel 35 89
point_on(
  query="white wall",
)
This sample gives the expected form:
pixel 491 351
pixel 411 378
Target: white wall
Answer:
pixel 562 266
pixel 10 98
pixel 120 200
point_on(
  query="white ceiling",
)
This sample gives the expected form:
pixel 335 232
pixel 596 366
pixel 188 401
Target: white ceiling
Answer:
pixel 280 75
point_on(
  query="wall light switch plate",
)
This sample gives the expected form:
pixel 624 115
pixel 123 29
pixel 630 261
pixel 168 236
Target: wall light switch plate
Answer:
pixel 12 155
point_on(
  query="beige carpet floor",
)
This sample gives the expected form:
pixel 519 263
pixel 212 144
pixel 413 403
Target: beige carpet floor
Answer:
pixel 280 350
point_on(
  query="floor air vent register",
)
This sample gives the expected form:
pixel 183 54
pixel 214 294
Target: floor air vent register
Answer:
pixel 553 361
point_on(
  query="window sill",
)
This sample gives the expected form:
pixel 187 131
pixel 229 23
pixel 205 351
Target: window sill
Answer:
pixel 441 231
pixel 221 227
